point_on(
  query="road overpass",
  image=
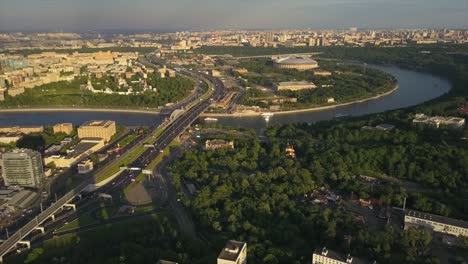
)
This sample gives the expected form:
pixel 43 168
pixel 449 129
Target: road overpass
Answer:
pixel 176 128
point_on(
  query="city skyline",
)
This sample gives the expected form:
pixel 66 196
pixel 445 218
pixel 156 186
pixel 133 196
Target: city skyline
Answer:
pixel 71 15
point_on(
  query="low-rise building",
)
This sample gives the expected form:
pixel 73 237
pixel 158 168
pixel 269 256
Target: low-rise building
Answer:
pixel 104 129
pixel 10 138
pixel 66 128
pixel 225 101
pixel 15 91
pixel 218 143
pixel 215 73
pixel 241 70
pixel 85 166
pixel 385 127
pixel 165 72
pixel 326 256
pixel 166 262
pixel 86 147
pixel 319 72
pixel 21 129
pixel 293 86
pixel 436 223
pixel 235 252
pixel 22 200
pixel 2 94
pixel 437 121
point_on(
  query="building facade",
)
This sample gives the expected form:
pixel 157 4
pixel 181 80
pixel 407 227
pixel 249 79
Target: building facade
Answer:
pixel 104 129
pixel 82 150
pixel 235 252
pixel 326 256
pixel 66 128
pixel 85 166
pixel 218 144
pixel 22 129
pixel 437 121
pixel 293 86
pixel 22 167
pixel 319 72
pixel 436 223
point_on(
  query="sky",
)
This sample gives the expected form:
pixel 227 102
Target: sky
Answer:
pixel 171 15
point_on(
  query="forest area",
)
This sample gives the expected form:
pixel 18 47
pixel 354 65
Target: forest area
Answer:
pixel 254 193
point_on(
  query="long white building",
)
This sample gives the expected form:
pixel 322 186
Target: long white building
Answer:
pixel 436 223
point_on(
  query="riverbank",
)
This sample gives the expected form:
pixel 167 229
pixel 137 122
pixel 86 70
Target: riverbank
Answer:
pixel 414 88
pixel 155 111
pixel 63 109
pixel 320 108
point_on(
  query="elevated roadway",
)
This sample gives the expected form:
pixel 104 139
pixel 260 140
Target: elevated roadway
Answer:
pixel 176 128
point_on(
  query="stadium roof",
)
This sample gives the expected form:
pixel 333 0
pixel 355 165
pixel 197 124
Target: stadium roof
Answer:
pixel 296 60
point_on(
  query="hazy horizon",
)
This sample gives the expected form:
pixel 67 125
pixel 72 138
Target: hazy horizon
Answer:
pixel 146 15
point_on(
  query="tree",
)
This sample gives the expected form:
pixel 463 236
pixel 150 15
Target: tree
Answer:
pixel 51 165
pixel 35 142
pixel 415 243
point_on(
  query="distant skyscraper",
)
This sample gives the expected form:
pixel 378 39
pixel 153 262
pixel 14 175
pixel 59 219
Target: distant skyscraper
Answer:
pixel 22 167
pixel 312 42
pixel 269 37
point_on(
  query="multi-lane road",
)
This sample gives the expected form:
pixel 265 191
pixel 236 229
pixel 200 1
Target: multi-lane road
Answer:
pixel 176 128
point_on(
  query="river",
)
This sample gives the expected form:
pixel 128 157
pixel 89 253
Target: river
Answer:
pixel 414 88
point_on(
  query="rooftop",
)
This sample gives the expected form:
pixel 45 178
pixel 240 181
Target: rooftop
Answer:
pixel 97 123
pixel 437 218
pixel 232 250
pixel 295 83
pixel 296 60
pixel 337 256
pixel 166 262
pixel 20 151
pixel 23 199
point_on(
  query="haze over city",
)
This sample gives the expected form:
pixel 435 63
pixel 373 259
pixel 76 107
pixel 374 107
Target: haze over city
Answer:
pixel 72 15
pixel 233 132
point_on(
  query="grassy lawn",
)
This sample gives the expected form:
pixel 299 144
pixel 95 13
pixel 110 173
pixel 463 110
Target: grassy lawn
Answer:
pixel 159 132
pixel 127 140
pixel 83 220
pixel 54 91
pixel 145 209
pixel 87 219
pixel 107 212
pixel 129 158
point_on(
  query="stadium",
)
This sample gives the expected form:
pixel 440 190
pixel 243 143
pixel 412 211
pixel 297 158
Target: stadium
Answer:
pixel 297 63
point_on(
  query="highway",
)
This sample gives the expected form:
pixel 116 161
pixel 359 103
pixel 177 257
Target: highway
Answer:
pixel 176 128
